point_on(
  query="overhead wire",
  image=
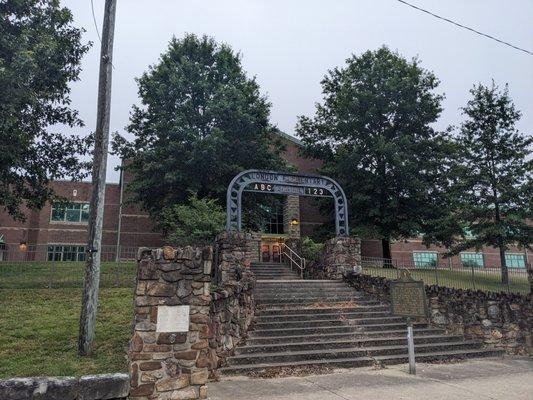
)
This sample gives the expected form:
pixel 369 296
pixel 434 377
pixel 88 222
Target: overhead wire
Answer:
pixel 466 27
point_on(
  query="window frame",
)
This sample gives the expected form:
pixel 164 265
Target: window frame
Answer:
pixel 416 262
pixel 522 258
pixel 82 207
pixel 470 253
pixel 275 219
pixel 64 252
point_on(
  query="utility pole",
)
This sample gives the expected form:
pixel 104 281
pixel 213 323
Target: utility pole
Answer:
pixel 101 141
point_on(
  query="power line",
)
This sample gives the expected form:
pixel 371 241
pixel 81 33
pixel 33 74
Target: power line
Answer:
pixel 95 24
pixel 466 27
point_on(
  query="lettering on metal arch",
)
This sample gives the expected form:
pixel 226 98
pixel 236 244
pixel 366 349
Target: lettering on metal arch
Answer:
pixel 285 183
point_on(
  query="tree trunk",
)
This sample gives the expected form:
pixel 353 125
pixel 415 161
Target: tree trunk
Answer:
pixel 505 271
pixel 385 244
pixel 501 245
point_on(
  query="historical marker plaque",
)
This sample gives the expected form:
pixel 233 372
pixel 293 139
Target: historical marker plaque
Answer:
pixel 408 298
pixel 172 319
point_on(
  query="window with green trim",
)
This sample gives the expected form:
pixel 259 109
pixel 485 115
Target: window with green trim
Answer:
pixel 515 260
pixel 472 260
pixel 75 212
pixel 425 258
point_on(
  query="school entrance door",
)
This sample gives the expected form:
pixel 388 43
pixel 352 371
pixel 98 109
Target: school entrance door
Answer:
pixel 271 249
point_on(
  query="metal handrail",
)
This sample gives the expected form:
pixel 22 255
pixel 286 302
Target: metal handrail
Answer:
pixel 299 262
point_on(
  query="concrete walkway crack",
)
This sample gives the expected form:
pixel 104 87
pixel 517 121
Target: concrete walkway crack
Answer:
pixel 326 389
pixel 460 387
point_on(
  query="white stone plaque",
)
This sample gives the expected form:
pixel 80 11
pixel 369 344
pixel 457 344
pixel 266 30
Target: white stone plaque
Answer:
pixel 173 319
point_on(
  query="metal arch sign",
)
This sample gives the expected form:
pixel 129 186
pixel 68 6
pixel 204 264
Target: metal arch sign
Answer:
pixel 287 183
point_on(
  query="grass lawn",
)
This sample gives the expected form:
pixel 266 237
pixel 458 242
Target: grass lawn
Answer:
pixel 482 279
pixel 54 274
pixel 39 328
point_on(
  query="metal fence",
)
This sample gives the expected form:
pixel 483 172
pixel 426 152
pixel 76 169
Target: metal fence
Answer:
pixel 63 266
pixel 451 275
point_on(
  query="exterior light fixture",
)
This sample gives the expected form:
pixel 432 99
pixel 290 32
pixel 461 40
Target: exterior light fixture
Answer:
pixel 23 246
pixel 294 221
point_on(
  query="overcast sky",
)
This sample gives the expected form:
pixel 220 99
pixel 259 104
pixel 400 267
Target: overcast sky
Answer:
pixel 289 45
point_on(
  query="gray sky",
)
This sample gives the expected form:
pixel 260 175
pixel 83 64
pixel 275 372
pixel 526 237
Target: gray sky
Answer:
pixel 289 45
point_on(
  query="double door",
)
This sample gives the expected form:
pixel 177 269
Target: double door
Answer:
pixel 270 252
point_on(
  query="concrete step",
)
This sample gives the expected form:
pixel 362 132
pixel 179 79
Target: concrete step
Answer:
pixel 310 299
pixel 353 352
pixel 326 302
pixel 282 311
pixel 327 322
pixel 306 291
pixel 256 339
pixel 331 329
pixel 315 316
pixel 364 361
pixel 344 343
pixel 306 283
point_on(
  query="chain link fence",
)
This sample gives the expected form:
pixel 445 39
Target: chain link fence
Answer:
pixel 63 266
pixel 451 275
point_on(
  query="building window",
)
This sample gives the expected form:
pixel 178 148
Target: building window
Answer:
pixel 425 258
pixel 472 260
pixel 75 212
pixel 515 260
pixel 274 223
pixel 60 252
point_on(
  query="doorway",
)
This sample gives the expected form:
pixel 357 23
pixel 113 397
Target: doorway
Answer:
pixel 270 252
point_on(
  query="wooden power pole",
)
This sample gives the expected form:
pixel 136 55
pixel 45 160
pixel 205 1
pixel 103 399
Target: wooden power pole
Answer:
pixel 96 217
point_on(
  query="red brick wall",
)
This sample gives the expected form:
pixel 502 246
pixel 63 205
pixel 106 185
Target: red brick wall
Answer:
pixel 38 230
pixel 403 251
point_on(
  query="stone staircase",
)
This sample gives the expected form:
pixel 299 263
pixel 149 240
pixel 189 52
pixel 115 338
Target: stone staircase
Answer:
pixel 313 323
pixel 273 271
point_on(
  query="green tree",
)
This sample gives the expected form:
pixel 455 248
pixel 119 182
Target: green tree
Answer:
pixel 202 120
pixel 197 222
pixel 40 54
pixel 373 131
pixel 494 187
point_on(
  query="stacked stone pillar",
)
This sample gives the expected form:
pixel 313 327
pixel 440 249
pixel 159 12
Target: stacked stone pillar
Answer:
pixel 170 344
pixel 291 211
pixel 340 256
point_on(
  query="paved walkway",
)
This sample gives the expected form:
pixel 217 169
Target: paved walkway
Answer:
pixel 491 378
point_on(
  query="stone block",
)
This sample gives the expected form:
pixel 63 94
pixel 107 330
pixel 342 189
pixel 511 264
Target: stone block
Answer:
pixel 186 355
pixel 151 376
pixel 160 289
pixel 147 270
pixel 168 384
pixel 136 343
pixel 203 392
pixel 150 365
pixel 190 393
pixel 172 337
pixel 200 377
pixel 107 386
pixel 168 253
pixel 142 390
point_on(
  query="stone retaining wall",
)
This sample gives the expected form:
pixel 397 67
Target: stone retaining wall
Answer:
pixel 340 256
pixel 500 320
pixel 91 387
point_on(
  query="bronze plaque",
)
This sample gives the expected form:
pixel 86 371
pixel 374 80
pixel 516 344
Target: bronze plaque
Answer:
pixel 408 298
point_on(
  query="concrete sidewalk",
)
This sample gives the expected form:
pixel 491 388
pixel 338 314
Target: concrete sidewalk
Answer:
pixel 491 378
